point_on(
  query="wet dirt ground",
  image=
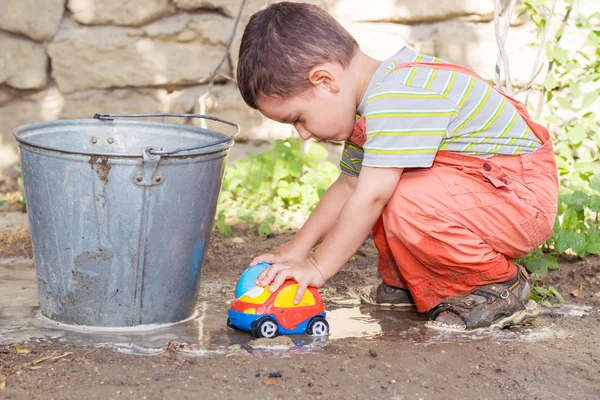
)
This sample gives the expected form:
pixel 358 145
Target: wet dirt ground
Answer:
pixel 370 354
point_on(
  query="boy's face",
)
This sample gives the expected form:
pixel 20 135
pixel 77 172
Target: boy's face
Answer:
pixel 324 112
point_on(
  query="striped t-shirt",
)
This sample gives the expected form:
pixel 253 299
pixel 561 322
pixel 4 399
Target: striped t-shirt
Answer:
pixel 411 113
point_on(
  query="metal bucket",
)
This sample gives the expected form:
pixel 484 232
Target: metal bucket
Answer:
pixel 121 213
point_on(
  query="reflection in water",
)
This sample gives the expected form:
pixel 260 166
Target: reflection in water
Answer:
pixel 21 320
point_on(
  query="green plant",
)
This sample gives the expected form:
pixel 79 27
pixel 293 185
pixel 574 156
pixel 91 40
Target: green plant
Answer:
pixel 546 294
pixel 275 190
pixel 570 89
pixel 21 200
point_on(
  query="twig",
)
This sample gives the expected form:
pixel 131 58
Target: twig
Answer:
pixel 229 78
pixel 530 82
pixel 538 110
pixel 500 43
pixel 235 25
pixel 508 15
pixel 539 53
pixel 36 362
pixel 215 72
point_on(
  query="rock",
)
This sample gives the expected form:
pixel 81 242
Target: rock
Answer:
pixel 101 57
pixel 131 12
pixel 130 100
pixel 227 7
pixel 382 40
pixel 219 377
pixel 25 108
pixel 37 19
pixel 410 11
pixel 477 49
pixel 227 103
pixel 277 343
pixel 23 63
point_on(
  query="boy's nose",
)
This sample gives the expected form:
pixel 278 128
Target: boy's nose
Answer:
pixel 304 134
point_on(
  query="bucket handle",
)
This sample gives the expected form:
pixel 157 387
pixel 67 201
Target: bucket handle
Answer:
pixel 160 152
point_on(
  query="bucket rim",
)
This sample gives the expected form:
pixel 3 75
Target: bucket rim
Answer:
pixel 22 130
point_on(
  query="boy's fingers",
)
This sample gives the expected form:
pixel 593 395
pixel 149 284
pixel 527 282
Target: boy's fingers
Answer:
pixel 300 292
pixel 270 273
pixel 279 279
pixel 261 276
pixel 264 258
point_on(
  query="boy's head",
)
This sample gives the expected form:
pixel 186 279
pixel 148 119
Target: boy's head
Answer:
pixel 293 68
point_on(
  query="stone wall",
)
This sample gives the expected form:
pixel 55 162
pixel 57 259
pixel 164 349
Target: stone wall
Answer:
pixel 73 58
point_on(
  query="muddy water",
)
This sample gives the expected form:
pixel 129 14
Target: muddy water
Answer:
pixel 21 320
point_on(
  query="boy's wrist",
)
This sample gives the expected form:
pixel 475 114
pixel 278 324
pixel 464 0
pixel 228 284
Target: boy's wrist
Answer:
pixel 319 269
pixel 301 246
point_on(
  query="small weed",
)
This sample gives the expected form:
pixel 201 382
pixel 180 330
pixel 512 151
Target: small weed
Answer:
pixel 21 200
pixel 546 295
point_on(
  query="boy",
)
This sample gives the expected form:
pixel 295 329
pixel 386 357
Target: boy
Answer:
pixel 452 177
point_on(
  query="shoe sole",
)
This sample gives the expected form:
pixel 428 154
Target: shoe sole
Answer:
pixel 531 311
pixel 366 298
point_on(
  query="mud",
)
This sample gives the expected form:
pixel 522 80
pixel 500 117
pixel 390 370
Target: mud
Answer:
pixel 371 352
pixel 102 167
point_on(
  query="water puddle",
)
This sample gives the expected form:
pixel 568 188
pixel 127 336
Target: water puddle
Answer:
pixel 21 320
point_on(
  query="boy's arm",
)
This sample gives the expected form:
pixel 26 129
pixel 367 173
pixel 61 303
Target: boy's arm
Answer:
pixel 318 224
pixel 374 189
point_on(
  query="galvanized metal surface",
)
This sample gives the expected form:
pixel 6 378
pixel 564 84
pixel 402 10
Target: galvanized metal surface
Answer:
pixel 110 249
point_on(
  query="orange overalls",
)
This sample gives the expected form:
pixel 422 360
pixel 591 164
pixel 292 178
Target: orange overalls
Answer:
pixel 460 223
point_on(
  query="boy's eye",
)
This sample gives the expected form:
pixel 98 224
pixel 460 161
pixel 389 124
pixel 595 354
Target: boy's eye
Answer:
pixel 297 120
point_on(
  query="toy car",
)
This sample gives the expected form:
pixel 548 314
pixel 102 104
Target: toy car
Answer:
pixel 267 314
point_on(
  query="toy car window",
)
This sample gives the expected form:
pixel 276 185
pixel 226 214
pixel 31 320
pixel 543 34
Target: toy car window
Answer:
pixel 285 298
pixel 256 295
pixel 255 292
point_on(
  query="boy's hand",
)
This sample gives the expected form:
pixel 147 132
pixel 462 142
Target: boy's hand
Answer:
pixel 305 272
pixel 285 253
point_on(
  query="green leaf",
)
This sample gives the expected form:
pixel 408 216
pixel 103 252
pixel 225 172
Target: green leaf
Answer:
pixel 595 182
pixel 574 89
pixel 577 133
pixel 317 152
pixel 592 242
pixel 561 241
pixel 556 294
pixel 589 99
pixel 570 219
pixel 222 227
pixel 550 83
pixel 592 77
pixel 585 167
pixel 537 266
pixel 563 102
pixel 295 168
pixel 576 242
pixel 265 226
pixel 594 204
pixel 550 262
pixel 559 32
pixel 577 200
pixel 560 55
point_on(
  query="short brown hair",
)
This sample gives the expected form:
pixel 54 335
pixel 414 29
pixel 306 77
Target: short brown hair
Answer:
pixel 282 43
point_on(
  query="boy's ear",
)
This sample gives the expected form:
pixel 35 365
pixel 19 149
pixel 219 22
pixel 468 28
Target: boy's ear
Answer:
pixel 324 75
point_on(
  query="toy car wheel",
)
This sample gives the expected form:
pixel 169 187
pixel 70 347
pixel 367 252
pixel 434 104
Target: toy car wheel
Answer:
pixel 231 325
pixel 318 326
pixel 265 327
